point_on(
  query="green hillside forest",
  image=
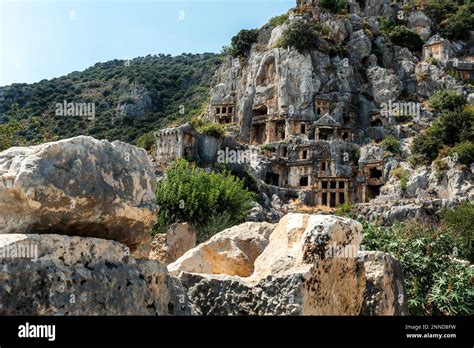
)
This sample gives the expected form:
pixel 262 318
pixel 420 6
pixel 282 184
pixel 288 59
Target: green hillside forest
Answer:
pixel 124 100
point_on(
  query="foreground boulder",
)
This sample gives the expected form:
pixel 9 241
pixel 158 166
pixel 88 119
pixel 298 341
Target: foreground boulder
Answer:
pixel 311 266
pixel 384 293
pixel 168 247
pixel 231 252
pixel 79 186
pixel 61 275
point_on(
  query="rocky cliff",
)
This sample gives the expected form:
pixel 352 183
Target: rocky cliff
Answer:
pixel 319 115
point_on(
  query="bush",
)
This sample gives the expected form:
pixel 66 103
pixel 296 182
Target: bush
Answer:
pixel 335 6
pixel 453 127
pixel 146 141
pixel 392 144
pixel 464 152
pixel 242 42
pixel 460 223
pixel 217 223
pixel 213 129
pixel 454 18
pixel 404 37
pixel 7 134
pixel 192 195
pixel 446 100
pixel 435 283
pixel 300 35
pixel 345 209
pixel 440 168
pixel 402 175
pixel 278 20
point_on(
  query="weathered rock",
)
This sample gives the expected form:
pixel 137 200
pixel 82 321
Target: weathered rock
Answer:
pixel 61 275
pixel 256 214
pixel 421 23
pixel 385 292
pixel 310 267
pixel 231 252
pixel 79 186
pixel 168 247
pixel 385 85
pixel 359 47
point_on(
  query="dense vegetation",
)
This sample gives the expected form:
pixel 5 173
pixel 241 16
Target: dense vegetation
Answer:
pixel 453 18
pixel 334 6
pixel 278 20
pixel 452 131
pixel 154 91
pixel 401 35
pixel 209 201
pixel 446 100
pixel 301 35
pixel 437 280
pixel 241 44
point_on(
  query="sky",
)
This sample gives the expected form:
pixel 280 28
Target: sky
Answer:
pixel 43 39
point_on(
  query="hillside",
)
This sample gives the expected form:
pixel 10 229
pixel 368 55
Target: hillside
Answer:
pixel 129 98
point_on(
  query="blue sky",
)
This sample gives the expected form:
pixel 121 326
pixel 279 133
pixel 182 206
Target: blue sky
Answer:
pixel 42 39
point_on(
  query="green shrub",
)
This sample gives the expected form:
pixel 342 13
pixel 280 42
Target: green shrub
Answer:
pixel 460 223
pixel 334 6
pixel 392 144
pixel 387 25
pixel 453 127
pixel 402 175
pixel 345 209
pixel 440 168
pixel 192 195
pixel 278 20
pixel 242 42
pixel 7 134
pixel 446 100
pixel 454 19
pixel 435 283
pixel 432 61
pixel 464 152
pixel 146 141
pixel 217 223
pixel 300 35
pixel 213 129
pixel 404 37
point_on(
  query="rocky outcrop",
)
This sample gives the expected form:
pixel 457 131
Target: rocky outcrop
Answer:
pixel 384 291
pixel 231 252
pixel 310 267
pixel 62 275
pixel 79 186
pixel 170 246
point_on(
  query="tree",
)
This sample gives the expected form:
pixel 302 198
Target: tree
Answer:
pixel 242 42
pixel 301 35
pixel 206 200
pixel 7 134
pixel 446 100
pixel 402 36
pixel 452 128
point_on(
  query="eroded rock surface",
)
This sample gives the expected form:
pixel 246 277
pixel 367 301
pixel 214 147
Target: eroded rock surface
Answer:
pixel 311 266
pixel 62 275
pixel 231 252
pixel 79 186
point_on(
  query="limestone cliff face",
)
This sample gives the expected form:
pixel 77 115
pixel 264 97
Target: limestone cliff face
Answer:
pixel 315 109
